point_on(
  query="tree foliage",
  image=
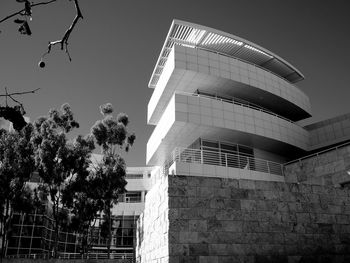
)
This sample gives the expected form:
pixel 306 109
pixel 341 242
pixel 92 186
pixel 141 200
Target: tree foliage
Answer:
pixel 112 136
pixel 79 195
pixel 14 115
pixel 56 158
pixel 77 189
pixel 16 167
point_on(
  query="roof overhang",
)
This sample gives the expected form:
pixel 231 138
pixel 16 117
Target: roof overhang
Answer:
pixel 197 36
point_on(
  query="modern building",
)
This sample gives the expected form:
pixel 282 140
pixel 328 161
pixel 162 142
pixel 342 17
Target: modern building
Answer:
pixel 226 113
pixel 32 235
pixel 220 99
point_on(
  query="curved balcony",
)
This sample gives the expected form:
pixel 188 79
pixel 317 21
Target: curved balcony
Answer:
pixel 189 69
pixel 186 155
pixel 188 117
pixel 235 101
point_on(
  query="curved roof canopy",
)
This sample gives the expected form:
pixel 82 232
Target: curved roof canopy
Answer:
pixel 197 36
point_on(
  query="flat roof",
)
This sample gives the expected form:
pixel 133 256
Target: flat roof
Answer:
pixel 197 36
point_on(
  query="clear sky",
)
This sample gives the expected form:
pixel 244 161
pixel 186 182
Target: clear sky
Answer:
pixel 115 48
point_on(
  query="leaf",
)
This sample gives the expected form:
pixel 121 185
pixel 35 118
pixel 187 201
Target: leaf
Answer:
pixel 19 21
pixel 123 118
pixel 106 109
pixel 25 29
pixel 131 139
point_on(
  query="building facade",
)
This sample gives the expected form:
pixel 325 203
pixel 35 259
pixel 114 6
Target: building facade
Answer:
pixel 32 235
pixel 226 100
pixel 226 133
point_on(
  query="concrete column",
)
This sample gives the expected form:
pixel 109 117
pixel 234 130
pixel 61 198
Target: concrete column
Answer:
pixel 143 196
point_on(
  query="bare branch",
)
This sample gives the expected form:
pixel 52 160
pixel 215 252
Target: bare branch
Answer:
pixel 14 100
pixel 20 12
pixel 18 93
pixel 20 104
pixel 64 41
pixel 6 95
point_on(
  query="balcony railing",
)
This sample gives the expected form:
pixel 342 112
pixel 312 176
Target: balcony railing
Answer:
pixel 186 155
pixel 236 101
pixel 320 153
pixel 117 257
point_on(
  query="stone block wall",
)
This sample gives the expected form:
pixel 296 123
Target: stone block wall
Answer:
pixel 327 168
pixel 153 226
pixel 53 260
pixel 226 220
pixel 217 220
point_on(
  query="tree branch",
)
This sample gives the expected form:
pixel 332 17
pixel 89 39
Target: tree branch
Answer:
pixel 6 112
pixel 64 41
pixel 19 93
pixel 22 10
pixel 21 105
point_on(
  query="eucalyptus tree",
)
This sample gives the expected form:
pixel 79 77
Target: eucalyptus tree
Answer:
pixel 112 135
pixel 79 195
pixel 56 159
pixel 16 167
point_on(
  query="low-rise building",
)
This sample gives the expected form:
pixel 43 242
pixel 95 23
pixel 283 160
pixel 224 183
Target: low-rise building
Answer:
pixel 31 235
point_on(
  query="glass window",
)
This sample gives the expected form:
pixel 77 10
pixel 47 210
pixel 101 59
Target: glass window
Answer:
pixel 134 176
pixel 210 144
pixel 132 197
pixel 246 151
pixel 16 219
pixel 228 148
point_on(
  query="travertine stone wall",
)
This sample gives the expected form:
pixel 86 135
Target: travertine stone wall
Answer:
pixel 153 226
pixel 328 168
pixel 53 260
pixel 226 220
pixel 214 220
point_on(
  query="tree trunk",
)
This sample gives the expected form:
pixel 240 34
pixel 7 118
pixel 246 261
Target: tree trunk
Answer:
pixel 109 233
pixel 84 243
pixel 4 229
pixel 56 226
pixel 1 235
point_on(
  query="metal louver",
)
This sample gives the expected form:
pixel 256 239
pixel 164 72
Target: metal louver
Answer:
pixel 196 36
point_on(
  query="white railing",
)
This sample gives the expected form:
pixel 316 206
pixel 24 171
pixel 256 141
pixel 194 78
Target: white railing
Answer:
pixel 317 154
pixel 119 257
pixel 186 155
pixel 98 255
pixel 236 101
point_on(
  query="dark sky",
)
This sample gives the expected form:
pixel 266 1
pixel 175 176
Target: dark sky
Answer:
pixel 115 47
